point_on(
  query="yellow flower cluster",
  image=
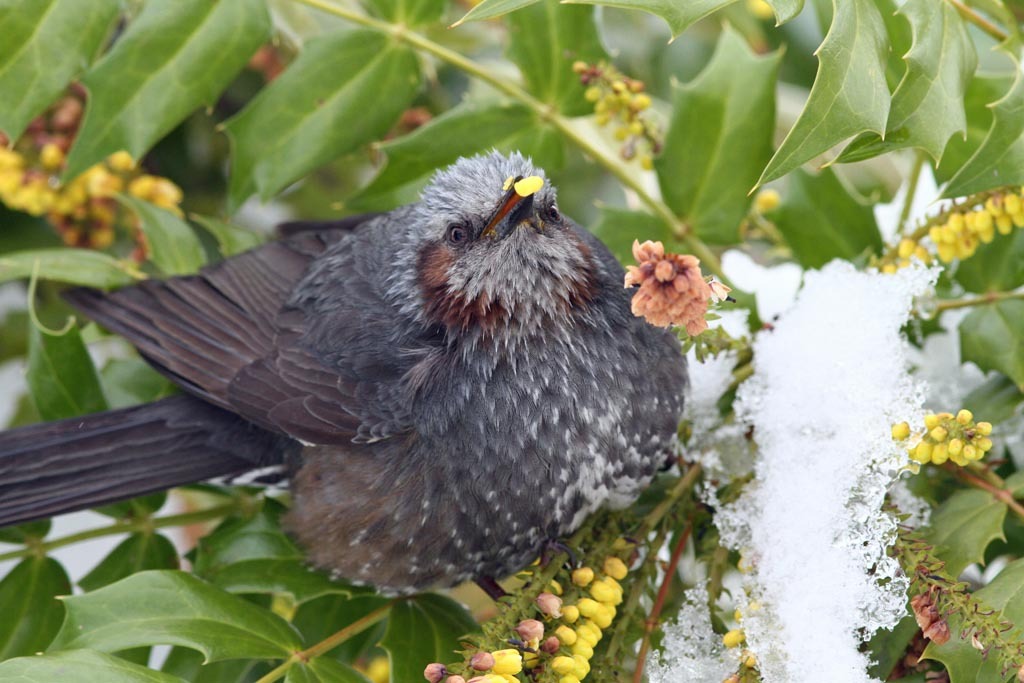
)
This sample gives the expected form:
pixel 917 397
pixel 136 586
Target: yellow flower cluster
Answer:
pixel 621 99
pixel 966 228
pixel 906 251
pixel 83 211
pixel 947 437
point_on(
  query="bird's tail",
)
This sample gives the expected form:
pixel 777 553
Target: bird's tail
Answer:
pixel 55 467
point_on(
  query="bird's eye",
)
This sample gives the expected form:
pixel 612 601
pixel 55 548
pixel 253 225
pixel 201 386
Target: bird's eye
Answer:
pixel 550 214
pixel 457 234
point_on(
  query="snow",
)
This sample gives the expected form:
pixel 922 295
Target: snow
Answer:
pixel 829 381
pixel 692 651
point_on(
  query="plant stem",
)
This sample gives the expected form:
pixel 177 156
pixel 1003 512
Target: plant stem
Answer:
pixel 684 484
pixel 979 21
pixel 545 112
pixel 329 643
pixel 989 298
pixel 659 603
pixel 1000 493
pixel 908 201
pixel 130 526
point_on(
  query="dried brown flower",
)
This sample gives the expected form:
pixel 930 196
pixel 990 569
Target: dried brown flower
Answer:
pixel 672 290
pixel 926 612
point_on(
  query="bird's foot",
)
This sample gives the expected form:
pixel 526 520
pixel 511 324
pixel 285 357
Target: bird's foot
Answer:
pixel 490 586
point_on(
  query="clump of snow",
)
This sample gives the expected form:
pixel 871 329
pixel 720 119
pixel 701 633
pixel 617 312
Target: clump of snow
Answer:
pixel 828 383
pixel 692 651
pixel 916 511
pixel 775 286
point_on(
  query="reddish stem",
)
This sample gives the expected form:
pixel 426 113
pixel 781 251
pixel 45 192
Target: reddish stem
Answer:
pixel 659 602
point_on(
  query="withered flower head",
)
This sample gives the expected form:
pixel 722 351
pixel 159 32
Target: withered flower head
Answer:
pixel 672 290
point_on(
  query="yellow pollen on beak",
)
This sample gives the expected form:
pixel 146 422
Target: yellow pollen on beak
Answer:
pixel 528 186
pixel 508 183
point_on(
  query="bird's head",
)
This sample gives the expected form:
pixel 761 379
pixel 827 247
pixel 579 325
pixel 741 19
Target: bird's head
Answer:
pixel 494 255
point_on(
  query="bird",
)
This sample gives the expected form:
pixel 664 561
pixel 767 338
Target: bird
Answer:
pixel 450 385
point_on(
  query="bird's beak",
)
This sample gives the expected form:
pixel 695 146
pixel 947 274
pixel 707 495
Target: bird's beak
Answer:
pixel 518 201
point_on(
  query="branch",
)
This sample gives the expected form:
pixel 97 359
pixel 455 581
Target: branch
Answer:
pixel 659 603
pixel 981 22
pixel 544 112
pixel 989 298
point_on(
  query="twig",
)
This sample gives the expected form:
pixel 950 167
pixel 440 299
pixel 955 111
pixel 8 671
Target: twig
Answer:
pixel 1000 493
pixel 545 112
pixel 659 603
pixel 989 298
pixel 979 21
pixel 329 643
pixel 908 200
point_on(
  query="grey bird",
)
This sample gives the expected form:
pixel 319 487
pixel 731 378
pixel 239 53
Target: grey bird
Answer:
pixel 450 385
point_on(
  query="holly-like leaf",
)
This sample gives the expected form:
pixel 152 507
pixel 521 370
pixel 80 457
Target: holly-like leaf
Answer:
pixel 344 90
pixel 61 376
pixel 992 336
pixel 424 629
pixel 994 400
pixel 821 220
pixel 172 244
pixel 982 92
pixel 995 267
pixel 719 139
pixel 1000 159
pixel 174 57
pixel 489 9
pixel 320 617
pixel 618 228
pixel 136 553
pixel 46 43
pixel 74 266
pixel 928 105
pixel 291 576
pixel 678 15
pixel 188 665
pixel 324 670
pixel 230 239
pixel 544 41
pixel 173 608
pixel 32 613
pixel 236 540
pixel 785 9
pixel 443 140
pixel 849 95
pixel 964 525
pixel 408 12
pixel 80 666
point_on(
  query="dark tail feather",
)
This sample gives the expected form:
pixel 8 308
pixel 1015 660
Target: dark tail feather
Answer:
pixel 55 467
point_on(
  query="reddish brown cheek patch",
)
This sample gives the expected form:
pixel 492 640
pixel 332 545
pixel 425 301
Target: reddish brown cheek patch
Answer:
pixel 451 308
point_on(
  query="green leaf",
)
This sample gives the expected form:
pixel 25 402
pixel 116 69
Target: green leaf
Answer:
pixel 46 43
pixel 343 90
pixel 992 336
pixel 237 540
pixel 73 266
pixel 136 553
pixel 175 56
pixel 188 665
pixel 325 670
pixel 964 525
pixel 995 267
pixel 618 228
pixel 173 245
pixel 719 139
pixel 1000 159
pixel 173 608
pixel 785 9
pixel 821 220
pixel 408 12
pixel 995 400
pixel 320 617
pixel 544 40
pixel 231 240
pixel 678 15
pixel 424 629
pixel 982 92
pixel 849 94
pixel 928 105
pixel 888 648
pixel 488 9
pixel 131 381
pixel 23 533
pixel 443 140
pixel 270 576
pixel 61 376
pixel 32 614
pixel 134 508
pixel 80 666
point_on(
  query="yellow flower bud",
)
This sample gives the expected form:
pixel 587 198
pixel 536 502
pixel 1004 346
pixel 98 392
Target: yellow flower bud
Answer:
pixel 646 162
pixel 733 638
pixel 563 665
pixel 940 453
pixel 964 416
pixel 555 587
pixel 592 94
pixel 588 607
pixel 946 252
pixel 589 633
pixel 1012 204
pixel 889 269
pixel 931 421
pixel 767 200
pixel 603 617
pixel 602 592
pixel 507 661
pixel 582 666
pixel 994 205
pixel 984 428
pixel 583 576
pixel 615 568
pixel 51 156
pixel 900 431
pixel 1004 224
pixel 1018 219
pixel 939 433
pixel 121 161
pixel 922 255
pixel 922 453
pixel 906 248
pixel 565 635
pixel 583 649
pixel 569 679
pixel 971 453
pixel 956 222
pixel 570 613
pixel 641 101
pixel 750 661
pixel 956 447
pixel 984 444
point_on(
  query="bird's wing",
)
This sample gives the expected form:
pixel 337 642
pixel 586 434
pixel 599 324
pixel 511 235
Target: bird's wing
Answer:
pixel 228 336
